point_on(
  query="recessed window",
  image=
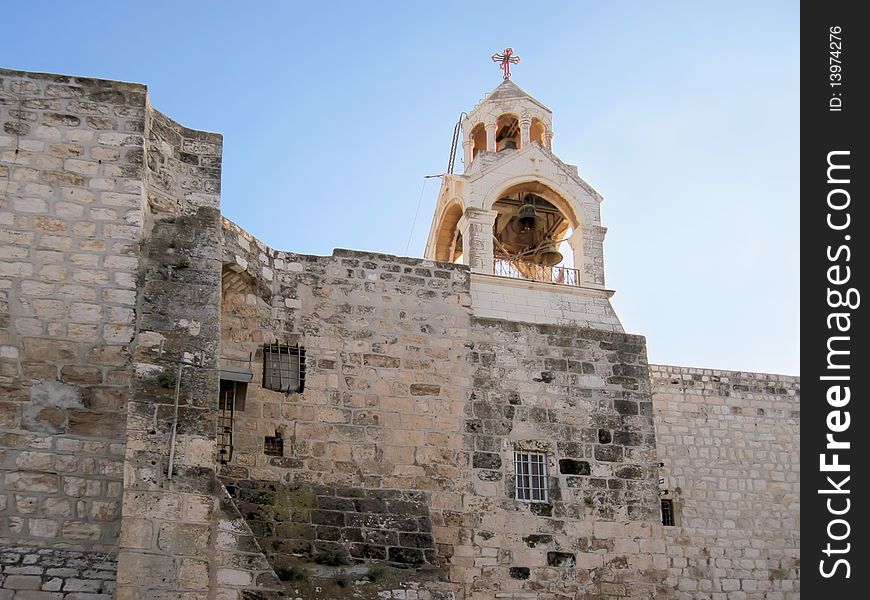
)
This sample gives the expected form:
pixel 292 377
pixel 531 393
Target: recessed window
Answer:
pixel 667 512
pixel 283 368
pixel 273 446
pixel 531 470
pixel 232 395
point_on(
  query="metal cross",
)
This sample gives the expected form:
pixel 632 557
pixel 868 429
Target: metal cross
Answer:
pixel 506 59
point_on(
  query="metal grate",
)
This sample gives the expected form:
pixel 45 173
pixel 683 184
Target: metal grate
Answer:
pixel 531 470
pixel 667 513
pixel 273 446
pixel 506 266
pixel 283 368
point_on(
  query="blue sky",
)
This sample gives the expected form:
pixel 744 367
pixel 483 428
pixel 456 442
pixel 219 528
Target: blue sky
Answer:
pixel 684 115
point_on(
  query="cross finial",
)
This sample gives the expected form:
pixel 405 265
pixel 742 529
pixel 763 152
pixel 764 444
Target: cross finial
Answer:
pixel 506 59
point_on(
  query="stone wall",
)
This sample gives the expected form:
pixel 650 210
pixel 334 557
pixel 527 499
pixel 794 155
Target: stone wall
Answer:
pixel 730 444
pixel 371 444
pixel 71 190
pixel 180 531
pixel 582 398
pixel 400 448
pixel 110 253
pixel 30 573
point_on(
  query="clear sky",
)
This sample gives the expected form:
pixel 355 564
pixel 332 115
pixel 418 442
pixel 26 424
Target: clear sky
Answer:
pixel 683 115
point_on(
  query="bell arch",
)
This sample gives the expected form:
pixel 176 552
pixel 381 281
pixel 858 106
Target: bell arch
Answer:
pixel 537 131
pixel 536 223
pixel 448 238
pixel 507 132
pixel 548 189
pixel 478 139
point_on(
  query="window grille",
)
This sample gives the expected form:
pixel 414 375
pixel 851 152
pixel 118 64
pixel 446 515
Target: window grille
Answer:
pixel 273 446
pixel 531 475
pixel 283 368
pixel 667 513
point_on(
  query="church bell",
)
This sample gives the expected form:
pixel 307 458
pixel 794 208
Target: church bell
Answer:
pixel 549 255
pixel 526 217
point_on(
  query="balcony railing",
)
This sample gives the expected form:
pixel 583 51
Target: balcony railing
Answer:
pixel 517 269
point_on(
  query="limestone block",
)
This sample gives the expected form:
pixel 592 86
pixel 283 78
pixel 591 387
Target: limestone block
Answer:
pixel 193 575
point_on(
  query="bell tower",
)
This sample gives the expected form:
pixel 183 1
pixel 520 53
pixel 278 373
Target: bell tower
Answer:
pixel 525 222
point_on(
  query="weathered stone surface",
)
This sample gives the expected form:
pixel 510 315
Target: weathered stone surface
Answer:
pixel 570 466
pixel 306 519
pixel 61 271
pixel 43 573
pixel 561 559
pixel 722 425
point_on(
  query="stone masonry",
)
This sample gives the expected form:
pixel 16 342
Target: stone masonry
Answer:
pixel 129 306
pixel 729 442
pixel 96 186
pixel 407 392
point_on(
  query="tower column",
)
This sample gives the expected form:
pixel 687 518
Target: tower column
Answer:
pixel 467 151
pixel 476 227
pixel 589 259
pixel 490 137
pixel 576 242
pixel 548 140
pixel 525 131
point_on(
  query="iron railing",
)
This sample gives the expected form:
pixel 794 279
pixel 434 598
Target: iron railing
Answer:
pixel 506 266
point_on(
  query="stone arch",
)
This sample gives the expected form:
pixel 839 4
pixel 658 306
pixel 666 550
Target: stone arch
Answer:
pixel 571 234
pixel 537 131
pixel 507 131
pixel 478 138
pixel 546 188
pixel 236 280
pixel 446 232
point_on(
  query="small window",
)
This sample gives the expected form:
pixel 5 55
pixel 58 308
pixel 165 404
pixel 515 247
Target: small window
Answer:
pixel 273 446
pixel 531 470
pixel 232 395
pixel 283 368
pixel 667 512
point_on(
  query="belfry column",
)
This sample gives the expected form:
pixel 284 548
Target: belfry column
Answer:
pixel 548 140
pixel 467 150
pixel 490 137
pixel 587 244
pixel 476 227
pixel 525 131
pixel 575 240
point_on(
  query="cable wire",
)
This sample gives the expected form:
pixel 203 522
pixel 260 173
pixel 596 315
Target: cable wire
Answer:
pixel 416 212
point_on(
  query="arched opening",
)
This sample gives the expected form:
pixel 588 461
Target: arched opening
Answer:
pixel 536 133
pixel 507 133
pixel 478 137
pixel 448 243
pixel 530 235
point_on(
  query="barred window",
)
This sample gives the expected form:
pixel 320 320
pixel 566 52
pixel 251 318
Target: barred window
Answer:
pixel 283 368
pixel 531 471
pixel 273 446
pixel 667 512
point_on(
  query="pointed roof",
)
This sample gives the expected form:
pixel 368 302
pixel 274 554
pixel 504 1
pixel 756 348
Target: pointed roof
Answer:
pixel 507 90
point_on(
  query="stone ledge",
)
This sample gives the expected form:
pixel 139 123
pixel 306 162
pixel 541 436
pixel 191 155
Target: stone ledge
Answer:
pixel 543 286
